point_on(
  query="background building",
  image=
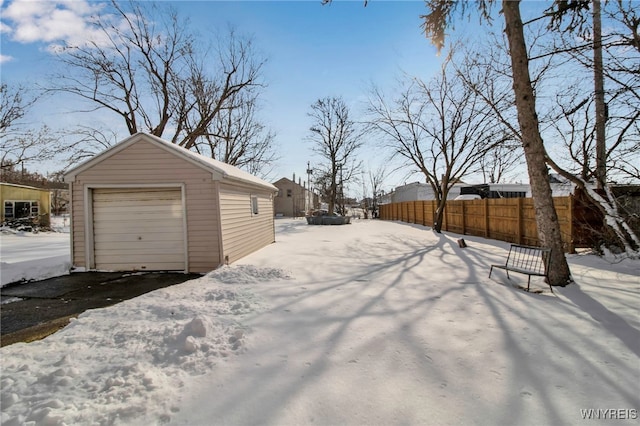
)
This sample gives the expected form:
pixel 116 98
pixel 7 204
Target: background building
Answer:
pixel 417 191
pixel 20 201
pixel 293 199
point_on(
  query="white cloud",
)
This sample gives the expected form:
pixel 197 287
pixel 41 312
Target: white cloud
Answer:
pixel 4 28
pixel 5 59
pixel 50 21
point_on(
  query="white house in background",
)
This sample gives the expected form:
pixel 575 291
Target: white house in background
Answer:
pixel 417 191
pixel 147 204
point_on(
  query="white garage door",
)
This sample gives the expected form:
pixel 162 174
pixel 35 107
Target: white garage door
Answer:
pixel 138 229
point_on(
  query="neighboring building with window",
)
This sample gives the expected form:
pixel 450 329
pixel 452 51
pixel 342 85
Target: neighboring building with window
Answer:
pixel 293 199
pixel 20 201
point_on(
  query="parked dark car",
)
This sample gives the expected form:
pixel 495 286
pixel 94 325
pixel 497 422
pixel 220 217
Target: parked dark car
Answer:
pixel 322 217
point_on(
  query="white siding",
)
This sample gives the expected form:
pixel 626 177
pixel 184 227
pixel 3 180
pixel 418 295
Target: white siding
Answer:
pixel 242 231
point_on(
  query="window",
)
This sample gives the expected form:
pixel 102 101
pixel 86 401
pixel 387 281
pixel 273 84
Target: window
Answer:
pixel 288 193
pixel 8 209
pixel 20 209
pixel 254 204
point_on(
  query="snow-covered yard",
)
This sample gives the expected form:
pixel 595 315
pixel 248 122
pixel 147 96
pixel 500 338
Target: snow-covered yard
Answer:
pixel 370 323
pixel 28 256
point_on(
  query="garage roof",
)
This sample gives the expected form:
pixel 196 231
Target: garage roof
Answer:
pixel 226 170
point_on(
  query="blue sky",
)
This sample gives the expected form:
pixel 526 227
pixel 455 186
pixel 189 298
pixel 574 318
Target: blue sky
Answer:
pixel 313 51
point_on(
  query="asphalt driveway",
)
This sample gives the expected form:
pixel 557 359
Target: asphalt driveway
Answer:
pixel 46 306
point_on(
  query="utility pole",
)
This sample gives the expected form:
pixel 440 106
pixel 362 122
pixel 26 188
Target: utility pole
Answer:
pixel 309 196
pixel 341 193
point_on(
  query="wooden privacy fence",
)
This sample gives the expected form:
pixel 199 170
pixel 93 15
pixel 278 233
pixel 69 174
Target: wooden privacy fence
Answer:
pixel 505 219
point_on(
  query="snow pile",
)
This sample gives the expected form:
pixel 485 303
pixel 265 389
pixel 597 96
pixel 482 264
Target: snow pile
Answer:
pixel 127 363
pixel 247 274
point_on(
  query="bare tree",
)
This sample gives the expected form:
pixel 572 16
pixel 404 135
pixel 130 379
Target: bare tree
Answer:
pixel 599 127
pixel 576 129
pixel 84 142
pixel 435 24
pixel 568 124
pixel 376 178
pixel 574 126
pixel 486 72
pixel 13 105
pixel 322 182
pixel 133 68
pixel 620 55
pixel 238 137
pixel 336 139
pixel 19 142
pixel 149 70
pixel 204 96
pixel 441 128
pixel 497 163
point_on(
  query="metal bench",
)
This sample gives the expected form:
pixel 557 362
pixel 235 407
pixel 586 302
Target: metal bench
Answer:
pixel 527 260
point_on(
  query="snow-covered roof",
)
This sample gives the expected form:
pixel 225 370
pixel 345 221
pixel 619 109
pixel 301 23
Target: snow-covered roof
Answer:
pixel 226 170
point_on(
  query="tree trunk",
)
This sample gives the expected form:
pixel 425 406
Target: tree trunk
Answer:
pixel 332 198
pixel 438 219
pixel 546 216
pixel 601 114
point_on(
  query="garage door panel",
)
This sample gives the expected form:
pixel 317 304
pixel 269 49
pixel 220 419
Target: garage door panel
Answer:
pixel 148 207
pixel 168 246
pixel 135 247
pixel 146 266
pixel 151 213
pixel 130 237
pixel 138 229
pixel 142 259
pixel 135 194
pixel 157 210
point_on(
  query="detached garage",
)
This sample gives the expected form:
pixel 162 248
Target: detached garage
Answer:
pixel 146 204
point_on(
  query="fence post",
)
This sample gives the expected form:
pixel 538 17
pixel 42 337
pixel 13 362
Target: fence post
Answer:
pixel 464 215
pixel 571 247
pixel 519 216
pixel 413 208
pixel 486 218
pixel 445 222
